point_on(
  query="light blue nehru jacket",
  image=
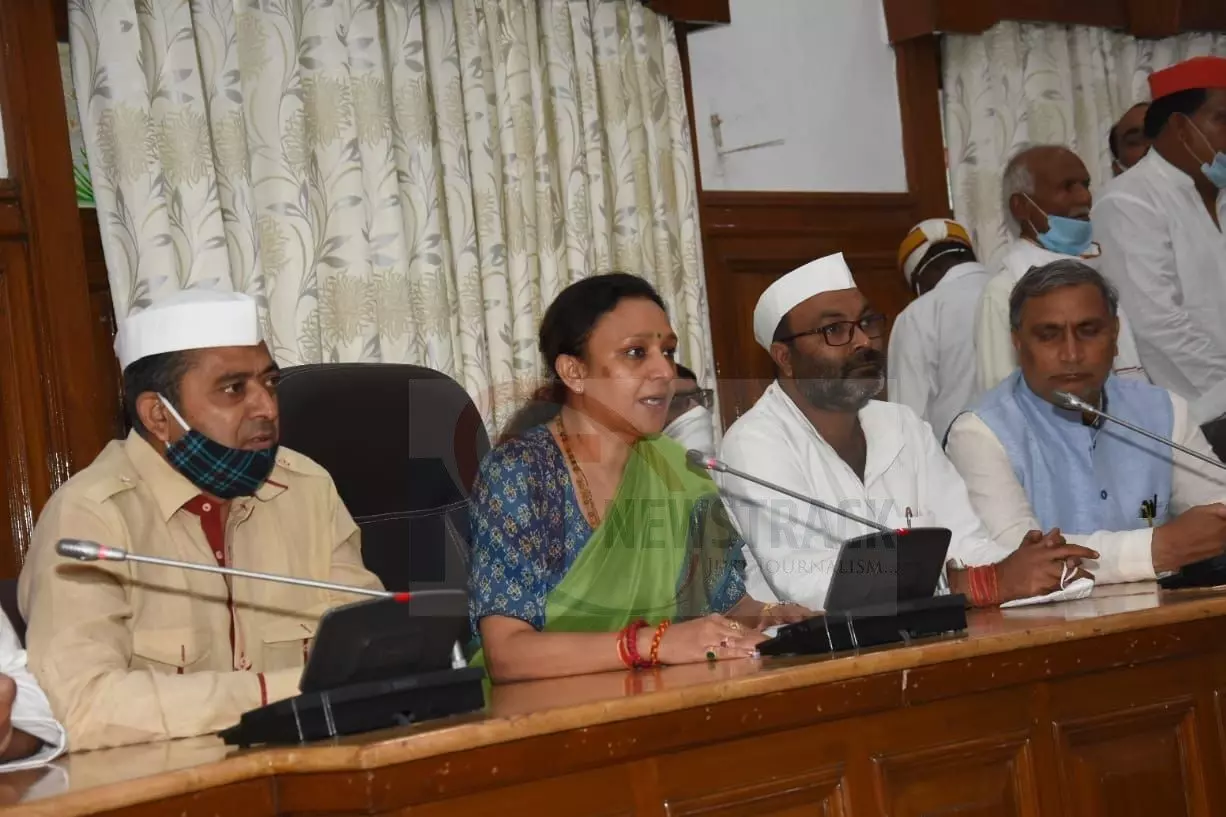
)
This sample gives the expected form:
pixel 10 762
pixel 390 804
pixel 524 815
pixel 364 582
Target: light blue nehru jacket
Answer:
pixel 1079 478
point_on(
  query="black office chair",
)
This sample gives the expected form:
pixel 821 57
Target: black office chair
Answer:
pixel 403 444
pixel 8 604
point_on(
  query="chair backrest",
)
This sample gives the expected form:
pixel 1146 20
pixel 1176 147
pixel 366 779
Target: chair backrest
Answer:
pixel 403 444
pixel 8 604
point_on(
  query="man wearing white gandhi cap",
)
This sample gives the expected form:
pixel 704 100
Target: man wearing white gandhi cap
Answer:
pixel 129 652
pixel 818 432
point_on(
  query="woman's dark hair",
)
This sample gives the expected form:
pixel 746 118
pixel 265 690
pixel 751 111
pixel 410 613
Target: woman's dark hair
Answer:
pixel 565 330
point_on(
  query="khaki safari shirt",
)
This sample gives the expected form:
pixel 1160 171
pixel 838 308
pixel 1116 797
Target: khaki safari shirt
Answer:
pixel 132 652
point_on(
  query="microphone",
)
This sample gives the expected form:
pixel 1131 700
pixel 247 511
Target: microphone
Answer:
pixel 86 551
pixel 1074 403
pixel 701 460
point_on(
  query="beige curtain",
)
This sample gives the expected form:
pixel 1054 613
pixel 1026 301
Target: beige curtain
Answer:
pixel 1019 83
pixel 406 181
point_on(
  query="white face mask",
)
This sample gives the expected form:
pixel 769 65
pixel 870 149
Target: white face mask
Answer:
pixel 694 429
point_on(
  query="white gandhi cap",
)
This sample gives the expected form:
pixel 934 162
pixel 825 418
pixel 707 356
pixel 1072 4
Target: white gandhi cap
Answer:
pixel 189 319
pixel 823 275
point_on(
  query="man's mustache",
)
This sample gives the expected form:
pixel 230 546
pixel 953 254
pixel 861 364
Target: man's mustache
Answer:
pixel 865 358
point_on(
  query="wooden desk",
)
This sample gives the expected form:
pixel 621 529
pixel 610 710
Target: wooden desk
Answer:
pixel 1107 706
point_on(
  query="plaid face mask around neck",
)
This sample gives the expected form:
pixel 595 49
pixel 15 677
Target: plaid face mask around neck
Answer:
pixel 217 469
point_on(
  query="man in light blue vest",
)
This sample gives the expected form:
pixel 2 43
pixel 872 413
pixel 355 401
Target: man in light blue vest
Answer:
pixel 1030 464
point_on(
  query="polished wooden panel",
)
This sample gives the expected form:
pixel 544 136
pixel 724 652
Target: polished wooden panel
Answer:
pixel 750 239
pixel 906 19
pixel 693 13
pixel 1130 745
pixel 802 774
pixel 102 314
pixel 984 777
pixel 57 411
pixel 602 793
pixel 25 478
pixel 918 67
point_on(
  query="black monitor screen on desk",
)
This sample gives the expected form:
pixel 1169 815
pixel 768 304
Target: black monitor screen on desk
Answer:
pixel 385 638
pixel 887 568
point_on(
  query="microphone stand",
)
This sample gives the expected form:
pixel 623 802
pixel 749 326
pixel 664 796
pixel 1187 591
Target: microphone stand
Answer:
pixel 1074 403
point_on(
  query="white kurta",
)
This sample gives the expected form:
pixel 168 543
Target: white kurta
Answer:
pixel 932 348
pixel 1126 556
pixel 31 711
pixel 791 546
pixel 1168 259
pixel 993 336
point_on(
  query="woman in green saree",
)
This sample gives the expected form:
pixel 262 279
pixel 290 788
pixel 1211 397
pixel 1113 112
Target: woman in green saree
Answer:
pixel 595 546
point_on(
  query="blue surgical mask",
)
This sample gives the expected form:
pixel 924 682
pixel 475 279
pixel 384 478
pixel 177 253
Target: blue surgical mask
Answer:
pixel 1067 236
pixel 214 468
pixel 1214 171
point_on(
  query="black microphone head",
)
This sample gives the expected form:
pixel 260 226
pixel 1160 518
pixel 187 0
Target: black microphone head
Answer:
pixel 1069 401
pixel 700 460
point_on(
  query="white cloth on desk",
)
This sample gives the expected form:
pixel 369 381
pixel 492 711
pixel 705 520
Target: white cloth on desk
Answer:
pixel 932 348
pixel 31 711
pixel 995 356
pixel 1163 252
pixel 791 546
pixel 1001 502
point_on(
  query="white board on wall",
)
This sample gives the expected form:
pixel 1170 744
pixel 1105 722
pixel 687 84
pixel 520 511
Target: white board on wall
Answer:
pixel 817 75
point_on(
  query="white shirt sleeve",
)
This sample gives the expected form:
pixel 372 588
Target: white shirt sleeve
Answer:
pixel 1001 502
pixel 1137 257
pixel 31 711
pixel 993 340
pixel 913 372
pixel 971 544
pixel 1193 482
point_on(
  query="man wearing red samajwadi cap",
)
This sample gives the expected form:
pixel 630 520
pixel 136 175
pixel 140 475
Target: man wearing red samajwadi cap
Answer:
pixel 1160 228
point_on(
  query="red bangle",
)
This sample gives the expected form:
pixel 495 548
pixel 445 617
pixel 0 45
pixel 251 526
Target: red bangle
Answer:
pixel 621 648
pixel 632 643
pixel 654 659
pixel 984 589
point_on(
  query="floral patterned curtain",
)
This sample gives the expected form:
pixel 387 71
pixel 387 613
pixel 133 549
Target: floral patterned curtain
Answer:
pixel 394 180
pixel 1019 83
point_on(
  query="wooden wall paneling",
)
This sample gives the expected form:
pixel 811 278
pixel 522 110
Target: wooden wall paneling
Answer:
pixel 918 67
pixel 693 13
pixel 1141 18
pixel 63 419
pixel 21 410
pixel 102 315
pixel 41 162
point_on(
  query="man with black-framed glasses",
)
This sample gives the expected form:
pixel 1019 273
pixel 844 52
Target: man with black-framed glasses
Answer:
pixel 817 431
pixel 690 421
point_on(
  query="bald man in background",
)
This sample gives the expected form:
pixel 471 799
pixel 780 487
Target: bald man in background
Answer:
pixel 1045 195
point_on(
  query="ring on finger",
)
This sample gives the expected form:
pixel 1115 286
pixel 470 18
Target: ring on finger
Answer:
pixel 711 656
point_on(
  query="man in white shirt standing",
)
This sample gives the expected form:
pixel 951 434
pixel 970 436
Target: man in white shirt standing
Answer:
pixel 1046 200
pixel 29 734
pixel 817 431
pixel 1027 462
pixel 932 344
pixel 1160 226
